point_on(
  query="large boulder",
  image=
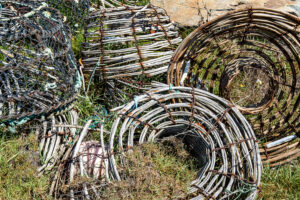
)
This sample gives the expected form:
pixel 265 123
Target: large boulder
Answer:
pixel 195 12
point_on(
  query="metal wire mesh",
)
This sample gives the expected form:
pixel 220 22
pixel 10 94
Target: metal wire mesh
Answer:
pixel 128 46
pixel 75 11
pixel 250 57
pixel 220 136
pixel 38 72
pixel 56 135
pixel 103 4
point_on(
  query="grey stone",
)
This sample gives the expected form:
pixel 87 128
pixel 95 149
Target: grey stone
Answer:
pixel 195 12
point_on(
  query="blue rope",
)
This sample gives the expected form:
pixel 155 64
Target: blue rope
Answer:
pixel 136 102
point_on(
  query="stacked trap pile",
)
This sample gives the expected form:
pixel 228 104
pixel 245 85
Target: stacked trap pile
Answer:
pixel 250 57
pixel 218 134
pixel 38 73
pixel 127 47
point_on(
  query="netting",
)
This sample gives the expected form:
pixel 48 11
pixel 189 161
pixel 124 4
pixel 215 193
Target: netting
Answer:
pixel 250 57
pixel 216 132
pixel 127 47
pixel 38 73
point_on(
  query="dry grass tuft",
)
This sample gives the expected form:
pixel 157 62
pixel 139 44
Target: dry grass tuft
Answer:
pixel 154 171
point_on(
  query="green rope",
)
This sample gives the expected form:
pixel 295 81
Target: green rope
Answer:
pixel 88 87
pixel 246 188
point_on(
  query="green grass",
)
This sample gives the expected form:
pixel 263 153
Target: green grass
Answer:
pixel 76 42
pixel 282 182
pixel 18 179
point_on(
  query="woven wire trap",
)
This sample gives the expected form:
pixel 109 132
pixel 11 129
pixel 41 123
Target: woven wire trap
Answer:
pixel 56 135
pixel 128 46
pixel 61 139
pixel 222 139
pixel 38 72
pixel 103 4
pixel 75 11
pixel 251 57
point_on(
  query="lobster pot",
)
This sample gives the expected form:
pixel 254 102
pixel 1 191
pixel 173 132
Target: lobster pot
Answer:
pixel 280 151
pixel 103 4
pixel 38 73
pixel 216 132
pixel 74 11
pixel 250 57
pixel 56 136
pixel 81 162
pixel 128 47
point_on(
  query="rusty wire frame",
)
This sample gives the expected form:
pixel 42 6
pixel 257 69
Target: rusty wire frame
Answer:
pixel 258 48
pixel 128 46
pixel 66 150
pixel 38 72
pixel 103 4
pixel 221 137
pixel 56 135
pixel 75 11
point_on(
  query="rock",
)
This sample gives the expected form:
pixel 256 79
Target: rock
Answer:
pixel 195 12
pixel 93 158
